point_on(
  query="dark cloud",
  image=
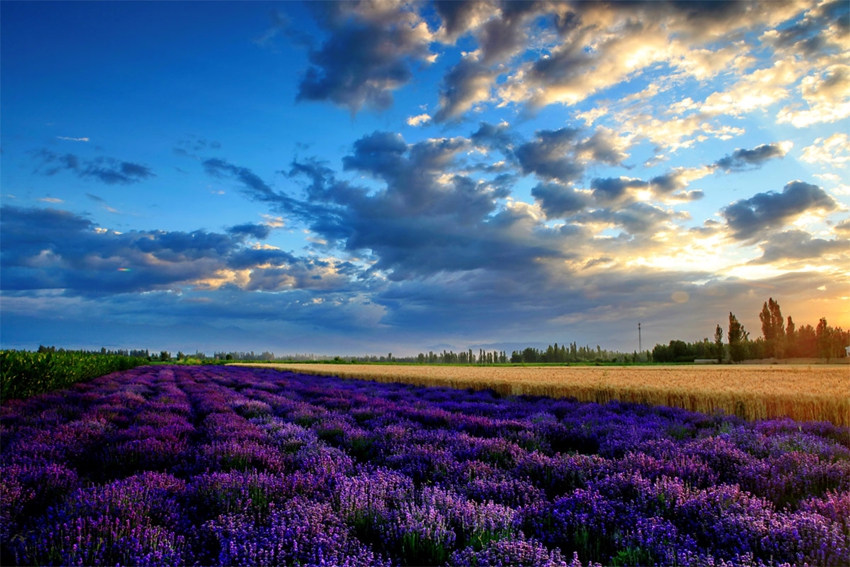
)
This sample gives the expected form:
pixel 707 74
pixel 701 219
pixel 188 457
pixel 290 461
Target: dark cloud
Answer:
pixel 107 170
pixel 794 245
pixel 428 217
pixel 749 218
pixel 503 36
pixel 551 155
pixel 806 36
pixel 636 218
pixel 459 17
pixel 843 226
pixel 52 249
pixel 669 182
pixel 467 83
pixel 741 160
pixel 560 155
pixel 490 136
pixel 369 54
pixel 380 154
pixel 615 189
pixel 602 147
pixel 558 200
pixel 257 187
pixel 259 231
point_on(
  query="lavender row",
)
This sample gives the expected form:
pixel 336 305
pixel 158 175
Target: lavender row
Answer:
pixel 237 466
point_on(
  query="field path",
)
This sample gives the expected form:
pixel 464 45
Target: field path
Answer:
pixel 804 393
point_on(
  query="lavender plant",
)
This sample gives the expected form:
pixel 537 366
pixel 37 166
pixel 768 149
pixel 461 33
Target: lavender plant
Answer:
pixel 237 466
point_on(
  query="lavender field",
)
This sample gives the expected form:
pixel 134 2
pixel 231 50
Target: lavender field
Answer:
pixel 238 466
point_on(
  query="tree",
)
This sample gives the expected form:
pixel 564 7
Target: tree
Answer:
pixel 824 339
pixel 718 343
pixel 790 338
pixel 773 328
pixel 737 336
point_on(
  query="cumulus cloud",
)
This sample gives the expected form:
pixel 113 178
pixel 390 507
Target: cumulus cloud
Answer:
pixel 826 96
pixel 797 245
pixel 750 218
pixel 427 218
pixel 369 54
pixel 418 120
pixel 104 169
pixel 601 45
pixel 551 155
pixel 742 159
pixel 833 150
pixel 49 249
pixel 259 231
pixel 558 200
pixel 615 189
pixel 466 84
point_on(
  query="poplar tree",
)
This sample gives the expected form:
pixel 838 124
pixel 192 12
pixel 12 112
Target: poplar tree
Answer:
pixel 718 343
pixel 736 335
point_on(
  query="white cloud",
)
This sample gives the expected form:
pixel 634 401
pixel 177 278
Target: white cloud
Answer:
pixel 66 138
pixel 756 91
pixel 419 120
pixel 834 151
pixel 827 95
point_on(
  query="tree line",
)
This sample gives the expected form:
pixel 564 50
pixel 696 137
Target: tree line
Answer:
pixel 781 338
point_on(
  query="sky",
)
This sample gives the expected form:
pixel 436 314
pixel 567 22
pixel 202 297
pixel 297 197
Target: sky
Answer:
pixel 371 177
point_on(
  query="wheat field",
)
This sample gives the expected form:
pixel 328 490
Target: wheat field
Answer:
pixel 803 393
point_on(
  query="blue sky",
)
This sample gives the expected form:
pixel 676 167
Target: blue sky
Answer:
pixel 364 177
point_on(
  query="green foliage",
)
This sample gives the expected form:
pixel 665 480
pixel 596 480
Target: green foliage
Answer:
pixel 737 339
pixel 24 374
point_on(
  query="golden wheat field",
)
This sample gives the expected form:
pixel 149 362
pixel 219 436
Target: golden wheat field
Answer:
pixel 805 393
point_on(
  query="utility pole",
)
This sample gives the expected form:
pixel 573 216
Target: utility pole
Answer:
pixel 640 340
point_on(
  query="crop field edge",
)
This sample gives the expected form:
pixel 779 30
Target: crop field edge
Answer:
pixel 810 405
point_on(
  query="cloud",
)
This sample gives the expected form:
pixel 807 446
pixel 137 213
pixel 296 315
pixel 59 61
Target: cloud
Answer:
pixel 559 201
pixel 833 150
pixel 826 95
pixel 797 245
pixel 497 137
pixel 259 231
pixel 51 200
pixel 741 160
pixel 551 155
pixel 602 45
pixel 459 18
pixel 426 218
pixel 67 139
pixel 218 168
pixel 104 169
pixel 750 218
pixel 49 249
pixel 466 84
pixel 616 189
pixel 369 54
pixel 645 218
pixel 418 120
